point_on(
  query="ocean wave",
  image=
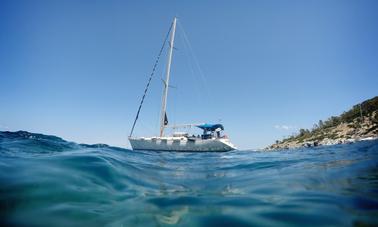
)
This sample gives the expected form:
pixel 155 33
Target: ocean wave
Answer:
pixel 47 181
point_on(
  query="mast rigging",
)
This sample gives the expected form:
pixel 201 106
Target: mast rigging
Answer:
pixel 149 80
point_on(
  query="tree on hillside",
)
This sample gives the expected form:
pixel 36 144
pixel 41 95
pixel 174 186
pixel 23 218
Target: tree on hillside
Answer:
pixel 320 124
pixel 303 132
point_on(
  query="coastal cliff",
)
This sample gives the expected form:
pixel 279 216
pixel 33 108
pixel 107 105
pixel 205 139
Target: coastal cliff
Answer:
pixel 358 123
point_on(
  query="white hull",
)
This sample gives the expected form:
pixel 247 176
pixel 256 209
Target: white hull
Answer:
pixel 181 144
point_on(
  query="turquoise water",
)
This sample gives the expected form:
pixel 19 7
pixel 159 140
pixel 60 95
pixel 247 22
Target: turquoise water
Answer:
pixel 46 181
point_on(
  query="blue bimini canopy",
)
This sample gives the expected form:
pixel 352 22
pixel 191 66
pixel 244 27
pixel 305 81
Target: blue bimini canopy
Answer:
pixel 210 127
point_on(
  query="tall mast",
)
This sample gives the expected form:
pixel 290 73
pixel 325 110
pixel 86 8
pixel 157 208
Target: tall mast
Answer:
pixel 166 82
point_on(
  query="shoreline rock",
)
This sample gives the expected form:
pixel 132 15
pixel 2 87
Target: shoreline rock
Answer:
pixel 357 124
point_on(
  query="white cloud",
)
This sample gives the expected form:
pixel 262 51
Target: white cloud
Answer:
pixel 3 127
pixel 285 127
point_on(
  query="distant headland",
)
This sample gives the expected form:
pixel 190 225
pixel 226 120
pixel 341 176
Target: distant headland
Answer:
pixel 358 123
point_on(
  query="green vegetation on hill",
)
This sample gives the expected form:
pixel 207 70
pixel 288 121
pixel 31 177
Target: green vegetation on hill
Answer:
pixel 363 114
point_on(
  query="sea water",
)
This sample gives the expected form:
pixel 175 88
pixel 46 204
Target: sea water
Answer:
pixel 46 181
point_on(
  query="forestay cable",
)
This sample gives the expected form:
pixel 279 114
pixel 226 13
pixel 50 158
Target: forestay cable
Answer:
pixel 149 80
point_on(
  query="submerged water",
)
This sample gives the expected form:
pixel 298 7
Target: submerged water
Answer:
pixel 46 181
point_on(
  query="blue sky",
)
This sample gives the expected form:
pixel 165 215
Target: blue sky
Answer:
pixel 77 69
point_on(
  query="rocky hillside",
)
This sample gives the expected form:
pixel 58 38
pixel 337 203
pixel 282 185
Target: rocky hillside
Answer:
pixel 358 123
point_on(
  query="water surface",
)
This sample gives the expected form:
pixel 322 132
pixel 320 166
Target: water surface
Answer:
pixel 46 181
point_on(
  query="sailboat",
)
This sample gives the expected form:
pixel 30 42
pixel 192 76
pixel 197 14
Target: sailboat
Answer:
pixel 211 139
